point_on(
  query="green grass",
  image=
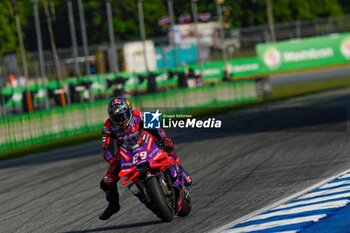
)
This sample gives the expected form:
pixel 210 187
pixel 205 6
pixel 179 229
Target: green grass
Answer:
pixel 280 93
pixel 300 89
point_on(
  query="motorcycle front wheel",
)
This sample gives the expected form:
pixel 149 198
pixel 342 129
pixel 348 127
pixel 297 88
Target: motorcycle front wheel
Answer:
pixel 159 200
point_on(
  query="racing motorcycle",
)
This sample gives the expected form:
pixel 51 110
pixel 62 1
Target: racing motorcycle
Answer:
pixel 154 178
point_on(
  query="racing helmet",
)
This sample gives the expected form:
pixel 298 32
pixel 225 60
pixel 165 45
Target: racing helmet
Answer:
pixel 120 112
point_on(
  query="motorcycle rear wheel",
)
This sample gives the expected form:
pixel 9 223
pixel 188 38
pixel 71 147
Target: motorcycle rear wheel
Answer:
pixel 186 208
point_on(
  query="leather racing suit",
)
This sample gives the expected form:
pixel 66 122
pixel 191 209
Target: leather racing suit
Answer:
pixel 125 137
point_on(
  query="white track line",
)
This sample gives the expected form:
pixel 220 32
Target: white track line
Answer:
pixel 315 200
pixel 345 176
pixel 326 192
pixel 298 210
pixel 284 200
pixel 335 184
pixel 267 225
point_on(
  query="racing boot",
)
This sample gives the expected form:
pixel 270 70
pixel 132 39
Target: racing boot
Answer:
pixel 109 211
pixel 112 197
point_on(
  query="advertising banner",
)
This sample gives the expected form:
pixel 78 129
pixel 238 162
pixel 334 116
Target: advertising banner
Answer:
pixel 333 49
pixel 186 54
pixel 249 66
pixel 238 68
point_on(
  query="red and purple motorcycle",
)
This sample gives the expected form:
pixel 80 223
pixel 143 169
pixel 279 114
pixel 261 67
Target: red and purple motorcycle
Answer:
pixel 154 178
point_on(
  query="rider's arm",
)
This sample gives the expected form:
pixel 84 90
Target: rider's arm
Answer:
pixel 106 142
pixel 159 134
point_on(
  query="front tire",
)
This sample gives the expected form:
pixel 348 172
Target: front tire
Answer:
pixel 158 200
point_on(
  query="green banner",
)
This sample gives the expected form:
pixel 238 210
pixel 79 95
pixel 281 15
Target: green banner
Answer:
pixel 244 67
pixel 26 130
pixel 238 68
pixel 300 54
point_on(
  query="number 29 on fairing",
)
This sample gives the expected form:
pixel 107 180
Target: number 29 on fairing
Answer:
pixel 139 156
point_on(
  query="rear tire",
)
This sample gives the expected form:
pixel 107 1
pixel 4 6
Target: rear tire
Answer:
pixel 159 200
pixel 186 207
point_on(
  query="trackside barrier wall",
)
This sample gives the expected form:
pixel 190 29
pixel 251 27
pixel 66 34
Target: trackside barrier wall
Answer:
pixel 26 130
pixel 283 56
pixel 212 71
pixel 291 55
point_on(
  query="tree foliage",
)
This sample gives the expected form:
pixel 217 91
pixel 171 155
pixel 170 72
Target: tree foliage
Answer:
pixel 8 41
pixel 243 13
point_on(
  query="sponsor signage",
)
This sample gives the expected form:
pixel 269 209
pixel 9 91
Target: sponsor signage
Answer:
pixel 305 53
pixel 238 68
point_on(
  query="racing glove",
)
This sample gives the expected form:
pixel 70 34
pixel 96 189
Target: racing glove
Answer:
pixel 168 144
pixel 113 163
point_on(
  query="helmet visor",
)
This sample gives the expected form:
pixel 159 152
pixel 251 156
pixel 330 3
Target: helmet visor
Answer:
pixel 120 118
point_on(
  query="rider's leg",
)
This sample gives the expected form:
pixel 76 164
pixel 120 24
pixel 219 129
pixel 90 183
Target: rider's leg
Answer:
pixel 109 185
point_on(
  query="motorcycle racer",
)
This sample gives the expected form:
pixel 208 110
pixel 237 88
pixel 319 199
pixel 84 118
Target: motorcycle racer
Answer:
pixel 124 125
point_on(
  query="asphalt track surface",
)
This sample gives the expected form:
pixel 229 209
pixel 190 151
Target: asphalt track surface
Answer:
pixel 260 158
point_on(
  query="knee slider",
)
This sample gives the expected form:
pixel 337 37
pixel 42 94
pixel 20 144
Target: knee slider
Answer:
pixel 104 186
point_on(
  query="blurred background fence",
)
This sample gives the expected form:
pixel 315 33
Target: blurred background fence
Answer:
pixel 283 56
pixel 71 56
pixel 250 37
pixel 80 51
pixel 26 130
pixel 239 41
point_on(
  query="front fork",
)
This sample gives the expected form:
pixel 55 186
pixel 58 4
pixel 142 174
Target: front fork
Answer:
pixel 139 189
pixel 165 180
pixel 171 182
